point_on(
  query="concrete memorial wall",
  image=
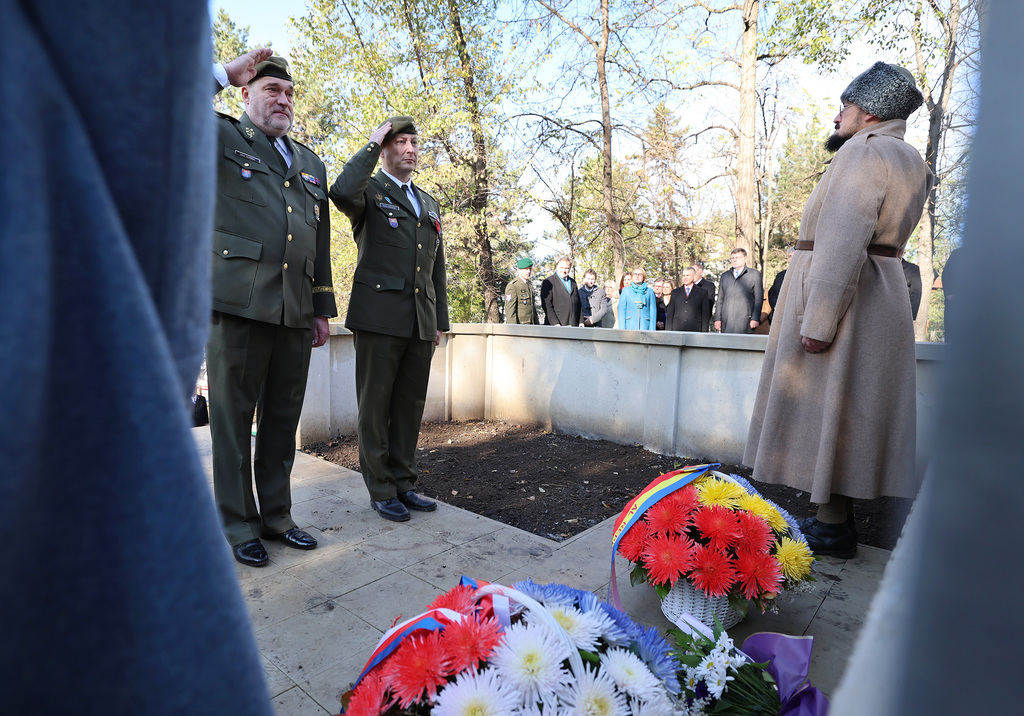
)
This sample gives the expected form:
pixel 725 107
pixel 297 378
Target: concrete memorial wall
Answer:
pixel 685 394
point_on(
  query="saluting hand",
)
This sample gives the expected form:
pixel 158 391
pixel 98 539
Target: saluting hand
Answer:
pixel 243 68
pixel 380 132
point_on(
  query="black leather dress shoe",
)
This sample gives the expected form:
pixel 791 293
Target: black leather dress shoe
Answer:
pixel 806 522
pixel 251 553
pixel 414 502
pixel 830 540
pixel 294 537
pixel 391 509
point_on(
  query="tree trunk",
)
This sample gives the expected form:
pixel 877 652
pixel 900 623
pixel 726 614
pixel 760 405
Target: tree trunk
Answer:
pixel 746 235
pixel 950 24
pixel 613 219
pixel 480 179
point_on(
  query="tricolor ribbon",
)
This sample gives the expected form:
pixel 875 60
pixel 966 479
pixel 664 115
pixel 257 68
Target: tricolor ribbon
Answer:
pixel 496 605
pixel 431 620
pixel 662 486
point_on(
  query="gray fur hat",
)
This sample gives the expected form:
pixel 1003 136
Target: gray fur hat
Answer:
pixel 886 91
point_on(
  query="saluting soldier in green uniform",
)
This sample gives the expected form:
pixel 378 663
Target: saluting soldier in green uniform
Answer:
pixel 397 309
pixel 272 296
pixel 519 306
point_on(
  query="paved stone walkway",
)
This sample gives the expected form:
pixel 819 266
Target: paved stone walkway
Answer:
pixel 317 615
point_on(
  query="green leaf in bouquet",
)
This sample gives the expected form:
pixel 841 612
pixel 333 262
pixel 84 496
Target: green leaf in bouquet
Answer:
pixel 638 575
pixel 691 660
pixel 590 656
pixel 739 603
pixel 662 590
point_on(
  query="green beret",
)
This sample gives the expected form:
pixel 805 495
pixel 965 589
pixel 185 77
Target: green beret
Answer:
pixel 400 125
pixel 276 66
pixel 524 263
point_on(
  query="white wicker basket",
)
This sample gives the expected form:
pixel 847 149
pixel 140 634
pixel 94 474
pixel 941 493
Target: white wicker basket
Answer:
pixel 684 598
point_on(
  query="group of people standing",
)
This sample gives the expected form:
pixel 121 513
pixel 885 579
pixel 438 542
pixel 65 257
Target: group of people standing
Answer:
pixel 634 303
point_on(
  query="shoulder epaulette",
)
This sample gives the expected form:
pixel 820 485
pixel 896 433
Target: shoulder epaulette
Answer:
pixel 428 194
pixel 226 116
pixel 305 146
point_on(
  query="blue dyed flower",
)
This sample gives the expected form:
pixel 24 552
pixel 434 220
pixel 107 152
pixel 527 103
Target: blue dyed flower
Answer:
pixel 657 654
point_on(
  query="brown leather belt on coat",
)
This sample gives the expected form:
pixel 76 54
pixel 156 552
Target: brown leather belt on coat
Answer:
pixel 889 251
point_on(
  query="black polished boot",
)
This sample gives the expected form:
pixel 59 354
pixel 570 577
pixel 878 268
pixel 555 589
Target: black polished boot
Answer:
pixel 829 540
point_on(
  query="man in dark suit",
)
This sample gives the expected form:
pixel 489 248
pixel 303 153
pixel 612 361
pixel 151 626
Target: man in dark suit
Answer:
pixel 704 284
pixel 397 310
pixel 272 296
pixel 741 296
pixel 912 272
pixel 560 297
pixel 776 289
pixel 690 308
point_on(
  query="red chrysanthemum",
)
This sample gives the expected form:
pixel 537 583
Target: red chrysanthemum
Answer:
pixel 459 599
pixel 418 665
pixel 757 573
pixel 631 546
pixel 718 525
pixel 370 698
pixel 469 642
pixel 667 557
pixel 712 571
pixel 755 533
pixel 686 499
pixel 666 516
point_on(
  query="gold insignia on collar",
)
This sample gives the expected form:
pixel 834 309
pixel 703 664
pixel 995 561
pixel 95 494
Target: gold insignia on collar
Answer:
pixel 250 132
pixel 378 197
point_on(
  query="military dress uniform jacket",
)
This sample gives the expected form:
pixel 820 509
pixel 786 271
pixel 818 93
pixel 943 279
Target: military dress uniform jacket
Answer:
pixel 272 234
pixel 519 305
pixel 399 283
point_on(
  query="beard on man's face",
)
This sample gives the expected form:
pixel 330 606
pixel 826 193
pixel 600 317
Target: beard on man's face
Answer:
pixel 834 142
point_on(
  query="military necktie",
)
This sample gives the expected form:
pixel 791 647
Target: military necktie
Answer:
pixel 413 201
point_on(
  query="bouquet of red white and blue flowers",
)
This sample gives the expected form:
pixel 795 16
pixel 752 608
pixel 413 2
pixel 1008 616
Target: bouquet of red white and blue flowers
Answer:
pixel 489 650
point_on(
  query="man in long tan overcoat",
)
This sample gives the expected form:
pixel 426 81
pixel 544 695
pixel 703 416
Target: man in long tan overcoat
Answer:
pixel 835 413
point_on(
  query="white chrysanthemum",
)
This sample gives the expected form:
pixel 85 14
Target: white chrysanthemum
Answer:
pixel 738 659
pixel 530 659
pixel 721 659
pixel 724 642
pixel 594 694
pixel 691 679
pixel 717 682
pixel 630 673
pixel 481 693
pixel 658 705
pixel 706 666
pixel 583 629
pixel 533 709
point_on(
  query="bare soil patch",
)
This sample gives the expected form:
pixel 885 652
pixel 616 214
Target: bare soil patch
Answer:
pixel 557 486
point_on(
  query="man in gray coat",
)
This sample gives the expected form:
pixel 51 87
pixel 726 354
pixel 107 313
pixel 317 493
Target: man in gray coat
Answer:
pixel 594 302
pixel 740 297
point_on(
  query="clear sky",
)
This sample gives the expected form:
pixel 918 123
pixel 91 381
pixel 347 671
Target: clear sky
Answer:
pixel 267 19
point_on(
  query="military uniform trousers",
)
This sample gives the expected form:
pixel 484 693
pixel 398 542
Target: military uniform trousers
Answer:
pixel 391 390
pixel 254 365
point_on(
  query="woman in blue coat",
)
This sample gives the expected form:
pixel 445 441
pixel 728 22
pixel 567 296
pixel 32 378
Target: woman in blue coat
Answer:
pixel 638 306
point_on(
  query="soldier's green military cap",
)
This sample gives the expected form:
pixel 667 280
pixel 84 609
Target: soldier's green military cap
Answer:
pixel 276 66
pixel 400 125
pixel 524 263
